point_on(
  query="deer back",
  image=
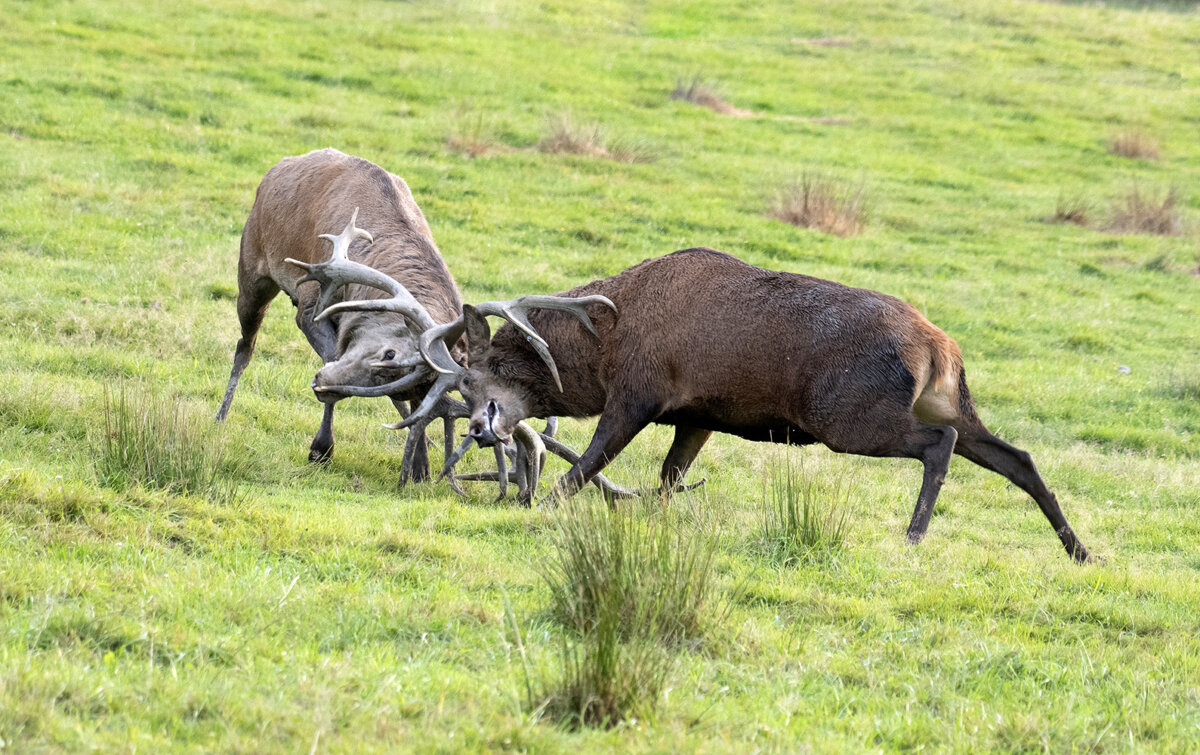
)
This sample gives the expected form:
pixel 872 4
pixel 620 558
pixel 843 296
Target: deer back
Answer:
pixel 304 196
pixel 700 328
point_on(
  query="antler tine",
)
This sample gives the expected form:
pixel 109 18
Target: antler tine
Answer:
pixel 430 403
pixel 330 274
pixel 433 346
pixel 516 311
pixel 411 380
pixel 341 242
pixel 339 270
pixel 402 302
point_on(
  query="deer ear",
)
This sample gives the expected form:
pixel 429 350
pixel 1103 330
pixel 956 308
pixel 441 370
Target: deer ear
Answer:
pixel 479 335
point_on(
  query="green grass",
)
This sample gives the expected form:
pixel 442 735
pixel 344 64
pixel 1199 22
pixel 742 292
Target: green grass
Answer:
pixel 634 585
pixel 152 442
pixel 800 519
pixel 328 611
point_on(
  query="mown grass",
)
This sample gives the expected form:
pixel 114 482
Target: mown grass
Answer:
pixel 329 611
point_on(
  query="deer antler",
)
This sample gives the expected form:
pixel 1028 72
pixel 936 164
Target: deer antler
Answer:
pixel 516 311
pixel 340 271
pixel 433 341
pixel 328 274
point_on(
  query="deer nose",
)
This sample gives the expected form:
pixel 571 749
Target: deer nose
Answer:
pixel 482 434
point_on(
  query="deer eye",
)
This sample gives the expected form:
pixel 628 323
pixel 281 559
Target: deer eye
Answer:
pixel 389 355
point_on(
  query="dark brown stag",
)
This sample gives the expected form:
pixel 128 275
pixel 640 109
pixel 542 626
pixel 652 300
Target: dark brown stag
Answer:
pixel 702 341
pixel 366 353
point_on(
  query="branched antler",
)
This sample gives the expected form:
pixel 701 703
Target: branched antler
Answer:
pixel 433 342
pixel 330 274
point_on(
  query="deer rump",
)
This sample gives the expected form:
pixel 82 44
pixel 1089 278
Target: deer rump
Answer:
pixel 705 342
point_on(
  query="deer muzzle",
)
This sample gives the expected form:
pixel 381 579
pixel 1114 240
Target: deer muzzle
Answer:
pixel 483 429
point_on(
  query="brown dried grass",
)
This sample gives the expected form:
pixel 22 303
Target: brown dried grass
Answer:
pixel 1136 145
pixel 701 93
pixel 565 136
pixel 472 135
pixel 1075 209
pixel 822 203
pixel 1139 212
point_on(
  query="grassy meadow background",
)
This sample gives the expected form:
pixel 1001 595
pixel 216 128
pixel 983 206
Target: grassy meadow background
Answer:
pixel 320 609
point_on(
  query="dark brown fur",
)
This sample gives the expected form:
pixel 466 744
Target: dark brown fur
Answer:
pixel 702 341
pixel 302 197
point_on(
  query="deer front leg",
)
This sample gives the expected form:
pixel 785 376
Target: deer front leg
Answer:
pixel 323 338
pixel 618 425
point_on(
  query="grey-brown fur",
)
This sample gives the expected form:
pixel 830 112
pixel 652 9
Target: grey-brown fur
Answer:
pixel 705 342
pixel 300 198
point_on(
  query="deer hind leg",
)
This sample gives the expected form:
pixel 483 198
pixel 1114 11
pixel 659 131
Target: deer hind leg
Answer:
pixel 980 446
pixel 892 431
pixel 938 446
pixel 252 306
pixel 684 449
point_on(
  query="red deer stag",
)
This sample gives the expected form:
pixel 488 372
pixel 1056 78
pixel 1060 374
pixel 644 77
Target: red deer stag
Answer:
pixel 705 342
pixel 365 353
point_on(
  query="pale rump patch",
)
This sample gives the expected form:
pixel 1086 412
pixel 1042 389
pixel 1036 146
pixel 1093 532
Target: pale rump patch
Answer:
pixel 935 369
pixel 936 405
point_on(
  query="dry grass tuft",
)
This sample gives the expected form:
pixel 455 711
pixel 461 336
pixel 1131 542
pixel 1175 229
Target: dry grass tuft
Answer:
pixel 1137 212
pixel 565 136
pixel 1075 209
pixel 824 204
pixel 701 93
pixel 1136 145
pixel 473 136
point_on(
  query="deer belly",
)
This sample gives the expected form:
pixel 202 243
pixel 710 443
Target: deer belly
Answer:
pixel 758 428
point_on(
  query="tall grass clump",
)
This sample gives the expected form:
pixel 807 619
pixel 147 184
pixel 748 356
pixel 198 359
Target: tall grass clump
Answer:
pixel 1072 209
pixel 153 442
pixel 824 204
pixel 699 92
pixel 564 135
pixel 1136 145
pixel 472 135
pixel 1141 212
pixel 798 520
pixel 631 586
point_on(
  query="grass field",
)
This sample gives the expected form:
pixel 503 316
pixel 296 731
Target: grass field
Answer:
pixel 318 608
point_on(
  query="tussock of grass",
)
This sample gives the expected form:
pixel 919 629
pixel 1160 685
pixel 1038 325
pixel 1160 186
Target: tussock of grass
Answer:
pixel 565 136
pixel 1074 209
pixel 472 135
pixel 631 585
pixel 824 204
pixel 1136 145
pixel 800 521
pixel 633 566
pixel 1141 212
pixel 153 442
pixel 704 94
